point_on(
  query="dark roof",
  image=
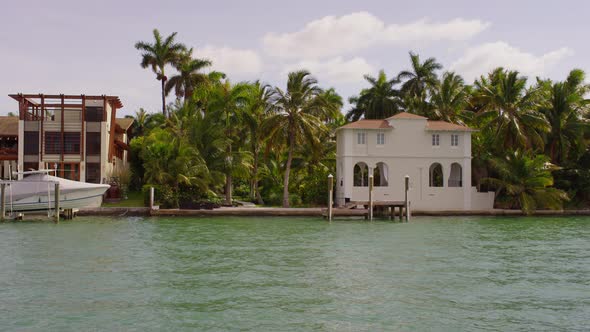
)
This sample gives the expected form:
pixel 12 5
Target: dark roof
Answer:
pixel 9 126
pixel 124 123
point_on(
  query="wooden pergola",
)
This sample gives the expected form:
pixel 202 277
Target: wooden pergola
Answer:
pixel 43 107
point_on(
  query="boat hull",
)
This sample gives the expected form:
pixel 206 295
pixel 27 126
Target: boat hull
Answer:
pixel 71 199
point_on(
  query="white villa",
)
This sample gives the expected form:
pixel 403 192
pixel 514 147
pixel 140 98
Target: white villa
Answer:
pixel 436 155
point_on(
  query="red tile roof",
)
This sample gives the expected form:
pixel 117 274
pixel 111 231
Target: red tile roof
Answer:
pixel 431 125
pixel 406 115
pixel 368 124
pixel 445 126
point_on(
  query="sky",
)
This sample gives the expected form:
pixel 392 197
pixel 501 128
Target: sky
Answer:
pixel 87 47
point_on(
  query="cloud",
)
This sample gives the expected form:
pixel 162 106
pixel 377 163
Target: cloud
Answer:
pixel 336 70
pixel 335 35
pixel 482 59
pixel 232 61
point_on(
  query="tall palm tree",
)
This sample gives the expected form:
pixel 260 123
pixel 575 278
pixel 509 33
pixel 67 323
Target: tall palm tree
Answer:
pixel 508 112
pixel 525 181
pixel 255 115
pixel 417 81
pixel 449 99
pixel 228 102
pixel 188 76
pixel 565 107
pixel 297 119
pixel 379 101
pixel 157 55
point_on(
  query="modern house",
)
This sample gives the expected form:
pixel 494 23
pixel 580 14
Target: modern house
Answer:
pixel 436 155
pixel 77 134
pixel 8 145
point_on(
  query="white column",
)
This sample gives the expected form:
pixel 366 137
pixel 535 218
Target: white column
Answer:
pixel 466 181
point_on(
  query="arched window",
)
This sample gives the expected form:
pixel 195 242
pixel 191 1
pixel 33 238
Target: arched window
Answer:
pixel 381 175
pixel 436 175
pixel 361 175
pixel 456 178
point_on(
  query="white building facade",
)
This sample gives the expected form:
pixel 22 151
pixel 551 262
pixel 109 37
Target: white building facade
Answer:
pixel 436 155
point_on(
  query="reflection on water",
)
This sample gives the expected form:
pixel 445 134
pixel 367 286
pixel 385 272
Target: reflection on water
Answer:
pixel 296 274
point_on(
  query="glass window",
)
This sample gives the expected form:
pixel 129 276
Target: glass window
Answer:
pixel 435 140
pixel 94 114
pixel 454 140
pixel 31 142
pixel 71 143
pixel 93 144
pixel 361 138
pixel 380 138
pixel 93 172
pixel 52 142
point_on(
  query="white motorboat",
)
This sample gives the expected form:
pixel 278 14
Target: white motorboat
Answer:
pixel 36 192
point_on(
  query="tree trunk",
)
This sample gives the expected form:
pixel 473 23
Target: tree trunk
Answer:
pixel 228 189
pixel 288 169
pixel 163 96
pixel 255 191
pixel 228 180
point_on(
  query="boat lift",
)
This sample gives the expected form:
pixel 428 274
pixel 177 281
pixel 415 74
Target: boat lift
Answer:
pixel 7 184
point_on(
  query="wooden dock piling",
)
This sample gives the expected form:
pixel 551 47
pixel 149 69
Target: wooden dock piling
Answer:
pixel 330 196
pixel 3 204
pixel 56 198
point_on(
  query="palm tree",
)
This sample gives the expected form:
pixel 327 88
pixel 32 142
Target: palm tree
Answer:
pixel 565 108
pixel 449 99
pixel 162 52
pixel 256 113
pixel 526 181
pixel 417 81
pixel 508 112
pixel 140 120
pixel 297 118
pixel 188 77
pixel 379 101
pixel 228 102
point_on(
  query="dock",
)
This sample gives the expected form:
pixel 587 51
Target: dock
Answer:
pixel 382 208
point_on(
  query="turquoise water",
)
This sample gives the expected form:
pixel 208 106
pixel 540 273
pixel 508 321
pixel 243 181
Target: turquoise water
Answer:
pixel 296 274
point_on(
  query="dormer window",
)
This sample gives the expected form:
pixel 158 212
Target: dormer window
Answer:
pixel 435 139
pixel 361 138
pixel 380 138
pixel 454 140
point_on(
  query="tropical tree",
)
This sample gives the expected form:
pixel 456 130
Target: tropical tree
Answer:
pixel 256 112
pixel 140 120
pixel 565 109
pixel 228 102
pixel 417 81
pixel 163 51
pixel 379 101
pixel 449 99
pixel 188 76
pixel 526 181
pixel 297 118
pixel 508 110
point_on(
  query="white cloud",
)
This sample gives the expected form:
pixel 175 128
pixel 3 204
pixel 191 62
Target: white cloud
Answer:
pixel 332 35
pixel 336 70
pixel 232 61
pixel 482 59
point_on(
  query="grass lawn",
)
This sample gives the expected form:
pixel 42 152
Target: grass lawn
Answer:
pixel 134 199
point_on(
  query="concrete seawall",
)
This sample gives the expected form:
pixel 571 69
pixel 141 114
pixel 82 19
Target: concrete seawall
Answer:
pixel 302 212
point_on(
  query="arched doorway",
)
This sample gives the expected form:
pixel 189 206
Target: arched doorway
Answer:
pixel 436 178
pixel 361 175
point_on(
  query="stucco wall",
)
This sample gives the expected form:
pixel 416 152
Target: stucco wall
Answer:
pixel 408 150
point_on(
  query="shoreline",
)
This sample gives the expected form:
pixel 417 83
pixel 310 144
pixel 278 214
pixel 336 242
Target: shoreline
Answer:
pixel 301 212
